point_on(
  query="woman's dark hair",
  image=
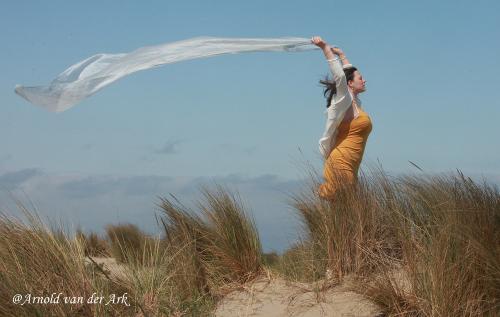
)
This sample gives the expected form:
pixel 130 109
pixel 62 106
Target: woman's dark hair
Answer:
pixel 331 88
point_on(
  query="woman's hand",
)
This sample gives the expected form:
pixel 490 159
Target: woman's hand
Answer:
pixel 337 50
pixel 341 55
pixel 318 41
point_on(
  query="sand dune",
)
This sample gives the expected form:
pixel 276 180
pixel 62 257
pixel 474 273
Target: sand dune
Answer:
pixel 276 297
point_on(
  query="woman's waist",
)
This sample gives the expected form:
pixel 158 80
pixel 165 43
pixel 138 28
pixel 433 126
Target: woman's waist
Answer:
pixel 359 127
pixel 343 161
pixel 352 153
pixel 351 141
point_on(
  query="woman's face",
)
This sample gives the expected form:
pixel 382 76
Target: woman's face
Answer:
pixel 357 84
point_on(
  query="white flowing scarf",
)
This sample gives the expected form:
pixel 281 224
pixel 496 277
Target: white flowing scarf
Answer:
pixel 85 78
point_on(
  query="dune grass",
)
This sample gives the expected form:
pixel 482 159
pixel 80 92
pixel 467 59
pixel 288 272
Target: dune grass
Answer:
pixel 39 261
pixel 449 228
pixel 340 235
pixel 418 246
pixel 93 244
pixel 424 245
pixel 220 242
pixel 129 244
pixel 201 257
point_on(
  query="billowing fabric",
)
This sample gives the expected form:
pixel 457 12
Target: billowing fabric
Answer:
pixel 342 165
pixel 96 72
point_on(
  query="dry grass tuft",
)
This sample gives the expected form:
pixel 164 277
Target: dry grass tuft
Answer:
pixel 93 245
pixel 38 261
pixel 220 244
pixel 129 243
pixel 449 228
pixel 340 234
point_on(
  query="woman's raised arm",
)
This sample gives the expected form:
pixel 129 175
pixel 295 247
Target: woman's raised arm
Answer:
pixel 333 58
pixel 340 101
pixel 340 53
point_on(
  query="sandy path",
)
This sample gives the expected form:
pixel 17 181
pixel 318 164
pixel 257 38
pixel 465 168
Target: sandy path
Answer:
pixel 276 297
pixel 273 297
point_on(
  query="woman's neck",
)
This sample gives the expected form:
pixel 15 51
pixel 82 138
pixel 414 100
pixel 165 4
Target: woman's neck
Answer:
pixel 355 95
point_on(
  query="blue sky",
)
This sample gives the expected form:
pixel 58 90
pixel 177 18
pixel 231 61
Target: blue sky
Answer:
pixel 250 121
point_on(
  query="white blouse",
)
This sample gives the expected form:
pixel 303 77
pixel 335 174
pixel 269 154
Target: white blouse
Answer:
pixel 338 107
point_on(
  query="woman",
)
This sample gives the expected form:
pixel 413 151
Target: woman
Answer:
pixel 347 127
